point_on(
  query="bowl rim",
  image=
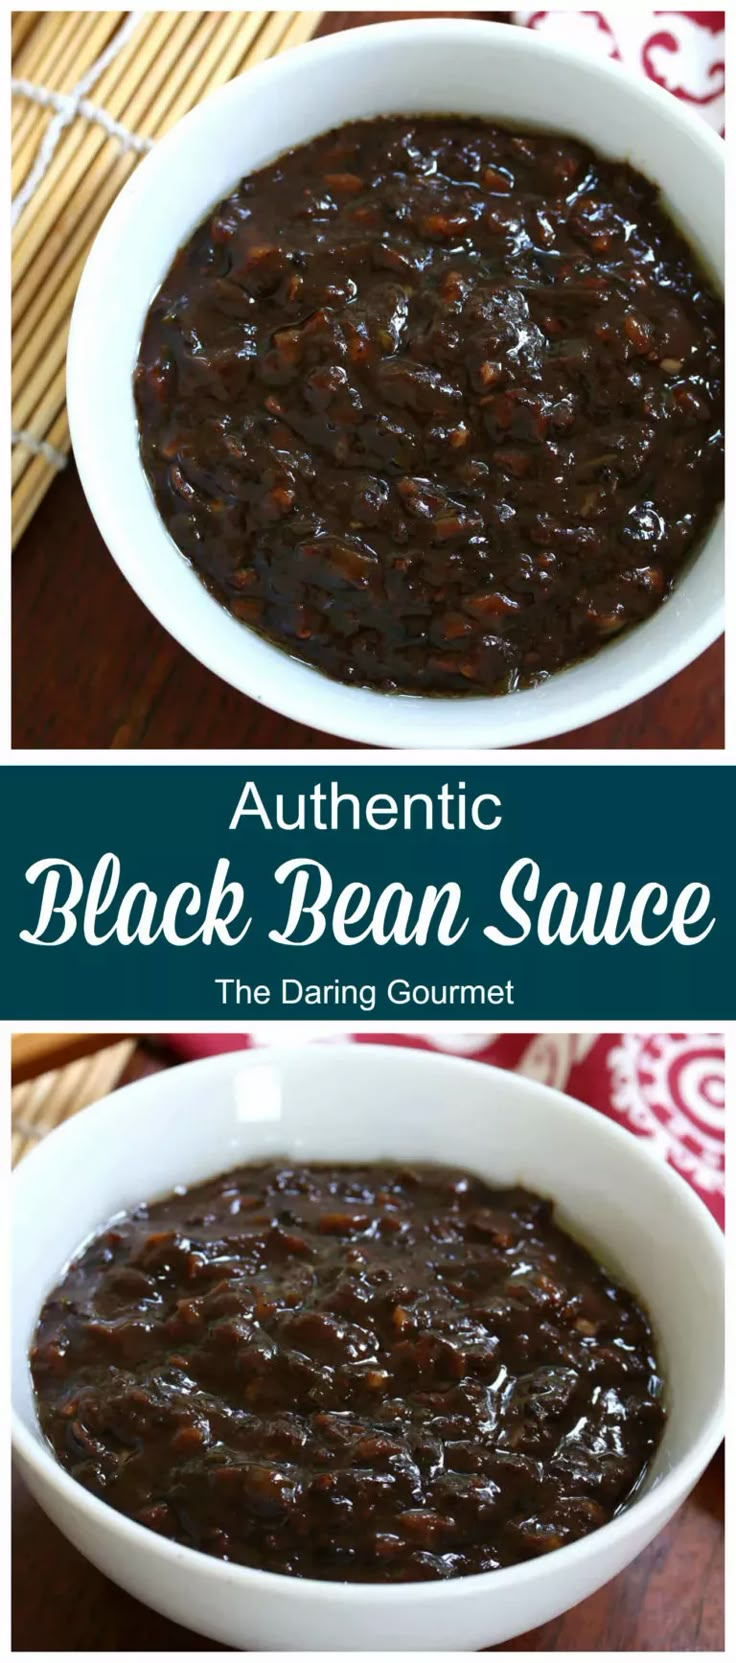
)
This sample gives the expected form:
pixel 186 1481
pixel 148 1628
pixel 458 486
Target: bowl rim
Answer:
pixel 294 689
pixel 672 1487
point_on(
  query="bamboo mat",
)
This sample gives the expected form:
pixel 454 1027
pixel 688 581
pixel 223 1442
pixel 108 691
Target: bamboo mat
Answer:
pixel 40 1104
pixel 91 92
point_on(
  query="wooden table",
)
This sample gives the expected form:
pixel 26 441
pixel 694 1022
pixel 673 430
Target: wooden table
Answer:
pixel 92 668
pixel 670 1599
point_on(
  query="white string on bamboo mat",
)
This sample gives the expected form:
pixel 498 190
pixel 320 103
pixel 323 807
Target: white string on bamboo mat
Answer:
pixel 39 447
pixel 67 107
pixel 23 1129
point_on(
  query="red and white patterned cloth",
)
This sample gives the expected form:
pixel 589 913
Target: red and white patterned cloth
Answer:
pixel 667 1088
pixel 682 51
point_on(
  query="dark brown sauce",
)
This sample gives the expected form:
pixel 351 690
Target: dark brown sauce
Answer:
pixel 436 406
pixel 363 1374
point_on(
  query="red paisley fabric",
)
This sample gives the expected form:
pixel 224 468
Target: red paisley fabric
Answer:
pixel 682 51
pixel 667 1088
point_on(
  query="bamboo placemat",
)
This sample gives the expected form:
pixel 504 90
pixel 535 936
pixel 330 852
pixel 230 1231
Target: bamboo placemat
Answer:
pixel 92 91
pixel 40 1104
pixel 32 1054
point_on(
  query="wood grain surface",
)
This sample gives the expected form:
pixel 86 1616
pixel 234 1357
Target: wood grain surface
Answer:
pixel 93 669
pixel 670 1599
pixel 33 1054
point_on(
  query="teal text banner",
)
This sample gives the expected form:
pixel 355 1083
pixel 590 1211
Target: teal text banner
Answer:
pixel 491 893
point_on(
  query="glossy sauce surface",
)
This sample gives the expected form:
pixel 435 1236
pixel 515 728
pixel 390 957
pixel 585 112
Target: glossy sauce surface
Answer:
pixel 434 405
pixel 366 1373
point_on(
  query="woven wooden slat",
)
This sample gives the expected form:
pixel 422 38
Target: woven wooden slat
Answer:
pixel 22 25
pixel 72 50
pixel 40 1104
pixel 169 62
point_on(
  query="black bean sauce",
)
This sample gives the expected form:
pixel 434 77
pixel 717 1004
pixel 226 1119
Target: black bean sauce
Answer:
pixel 434 405
pixel 355 1373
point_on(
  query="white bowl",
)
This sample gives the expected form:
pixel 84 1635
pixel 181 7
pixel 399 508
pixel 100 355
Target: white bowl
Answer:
pixel 362 1102
pixel 452 65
